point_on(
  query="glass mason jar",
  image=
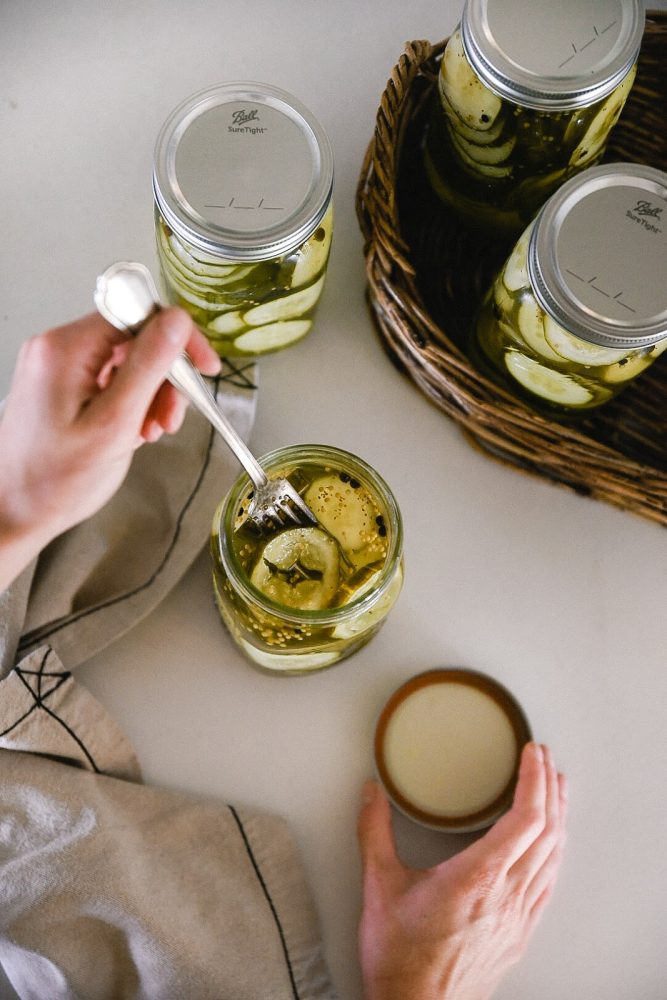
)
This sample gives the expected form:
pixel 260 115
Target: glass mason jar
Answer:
pixel 305 598
pixel 519 111
pixel 242 180
pixel 580 306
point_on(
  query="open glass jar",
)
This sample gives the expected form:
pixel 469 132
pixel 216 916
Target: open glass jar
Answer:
pixel 521 109
pixel 242 181
pixel 580 306
pixel 304 598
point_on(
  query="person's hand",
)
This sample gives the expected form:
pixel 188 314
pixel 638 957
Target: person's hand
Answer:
pixel 452 932
pixel 82 399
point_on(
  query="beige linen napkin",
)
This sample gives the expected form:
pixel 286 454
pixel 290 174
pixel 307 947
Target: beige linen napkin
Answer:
pixel 110 889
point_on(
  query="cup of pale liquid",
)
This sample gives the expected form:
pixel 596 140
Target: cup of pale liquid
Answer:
pixel 447 749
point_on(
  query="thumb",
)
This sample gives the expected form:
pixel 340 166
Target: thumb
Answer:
pixel 374 831
pixel 143 371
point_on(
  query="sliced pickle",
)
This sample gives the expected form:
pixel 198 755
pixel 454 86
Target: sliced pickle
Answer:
pixel 531 321
pixel 572 348
pixel 471 134
pixel 272 337
pixel 598 131
pixel 515 272
pixel 298 568
pixel 557 387
pixel 487 155
pixel 502 297
pixel 312 256
pixel 227 323
pixel 626 369
pixel 475 104
pixel 283 661
pixel 486 170
pixel 361 623
pixel 287 307
pixel 345 510
pixel 211 267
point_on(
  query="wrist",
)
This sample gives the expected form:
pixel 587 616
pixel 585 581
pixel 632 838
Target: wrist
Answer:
pixel 21 538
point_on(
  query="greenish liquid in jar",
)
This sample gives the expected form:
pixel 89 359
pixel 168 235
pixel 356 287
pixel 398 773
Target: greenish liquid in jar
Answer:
pixel 496 163
pixel 246 308
pixel 310 569
pixel 514 340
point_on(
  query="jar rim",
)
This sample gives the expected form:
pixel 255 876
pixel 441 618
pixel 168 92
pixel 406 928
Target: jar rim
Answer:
pixel 346 462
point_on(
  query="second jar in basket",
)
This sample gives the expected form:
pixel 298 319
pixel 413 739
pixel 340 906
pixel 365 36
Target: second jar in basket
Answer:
pixel 580 307
pixel 528 92
pixel 242 181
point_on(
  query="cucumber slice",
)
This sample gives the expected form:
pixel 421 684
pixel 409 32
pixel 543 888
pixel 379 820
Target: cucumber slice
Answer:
pixel 345 511
pixel 489 155
pixel 515 272
pixel 481 169
pixel 272 337
pixel 502 297
pixel 288 307
pixel 475 104
pixel 289 661
pixel 557 387
pixel 211 267
pixel 299 568
pixel 227 323
pixel 367 620
pixel 471 134
pixel 199 282
pixel 531 326
pixel 597 132
pixel 567 346
pixel 634 365
pixel 313 255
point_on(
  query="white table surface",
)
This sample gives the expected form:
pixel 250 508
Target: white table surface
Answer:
pixel 559 597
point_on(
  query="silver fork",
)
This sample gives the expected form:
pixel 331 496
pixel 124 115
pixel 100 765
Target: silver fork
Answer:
pixel 127 297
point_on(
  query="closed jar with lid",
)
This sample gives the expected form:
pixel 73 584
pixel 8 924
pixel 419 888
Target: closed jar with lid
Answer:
pixel 242 180
pixel 528 92
pixel 579 309
pixel 303 598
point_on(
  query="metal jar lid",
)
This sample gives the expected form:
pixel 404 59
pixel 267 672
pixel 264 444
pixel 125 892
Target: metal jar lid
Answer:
pixel 597 256
pixel 552 54
pixel 243 170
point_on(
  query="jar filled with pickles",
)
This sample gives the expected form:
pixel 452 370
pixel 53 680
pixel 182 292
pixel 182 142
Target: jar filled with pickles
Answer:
pixel 242 179
pixel 579 309
pixel 303 598
pixel 528 93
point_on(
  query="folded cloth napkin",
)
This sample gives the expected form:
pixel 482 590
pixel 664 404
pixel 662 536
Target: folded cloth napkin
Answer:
pixel 110 889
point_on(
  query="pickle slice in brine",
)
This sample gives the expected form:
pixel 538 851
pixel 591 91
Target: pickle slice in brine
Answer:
pixel 531 326
pixel 299 568
pixel 273 336
pixel 312 257
pixel 475 104
pixel 345 510
pixel 597 132
pixel 361 623
pixel 557 387
pixel 515 272
pixel 485 170
pixel 488 155
pixel 287 307
pixel 289 661
pixel 227 323
pixel 572 348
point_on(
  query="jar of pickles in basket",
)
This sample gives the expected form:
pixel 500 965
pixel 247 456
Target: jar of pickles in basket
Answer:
pixel 303 598
pixel 580 307
pixel 528 92
pixel 242 181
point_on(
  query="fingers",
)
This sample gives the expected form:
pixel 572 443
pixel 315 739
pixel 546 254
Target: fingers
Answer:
pixel 532 861
pixel 376 838
pixel 134 386
pixel 517 830
pixel 165 413
pixel 202 354
pixel 541 884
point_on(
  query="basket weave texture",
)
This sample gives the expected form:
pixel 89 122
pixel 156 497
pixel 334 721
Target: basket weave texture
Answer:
pixel 426 275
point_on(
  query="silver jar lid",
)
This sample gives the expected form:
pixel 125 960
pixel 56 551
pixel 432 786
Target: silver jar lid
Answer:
pixel 552 54
pixel 243 170
pixel 597 256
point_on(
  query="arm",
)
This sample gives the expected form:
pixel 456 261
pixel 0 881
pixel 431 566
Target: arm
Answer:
pixel 82 399
pixel 452 932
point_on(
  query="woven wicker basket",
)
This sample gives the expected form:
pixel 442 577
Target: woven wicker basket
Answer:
pixel 426 276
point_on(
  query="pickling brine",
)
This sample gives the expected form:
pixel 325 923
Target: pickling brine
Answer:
pixel 579 309
pixel 303 598
pixel 243 215
pixel 519 112
pixel 246 308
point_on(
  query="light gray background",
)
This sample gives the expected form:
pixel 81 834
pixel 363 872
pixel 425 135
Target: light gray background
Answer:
pixel 559 597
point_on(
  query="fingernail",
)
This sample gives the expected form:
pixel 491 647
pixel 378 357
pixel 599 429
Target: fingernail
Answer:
pixel 368 792
pixel 178 326
pixel 538 752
